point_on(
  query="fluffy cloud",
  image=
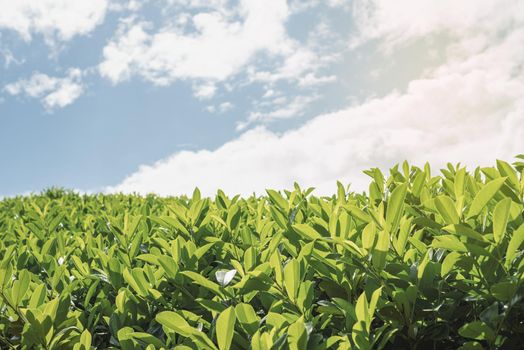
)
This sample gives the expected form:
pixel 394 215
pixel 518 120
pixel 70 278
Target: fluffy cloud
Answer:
pixel 468 109
pixel 220 47
pixel 53 92
pixel 221 108
pixel 218 42
pixel 292 109
pixel 403 21
pixel 205 91
pixel 9 58
pixel 55 19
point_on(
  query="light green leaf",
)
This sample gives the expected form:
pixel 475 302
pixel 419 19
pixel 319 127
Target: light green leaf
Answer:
pixel 38 296
pixel 395 207
pixel 500 218
pixel 169 265
pixel 449 263
pixel 297 335
pixel 507 170
pixel 463 230
pixel 306 231
pixel 20 287
pixel 247 317
pixel 358 213
pixel 449 242
pixel 225 328
pixel 514 244
pixel 381 249
pixel 484 196
pixel 201 280
pixel 292 278
pixel 277 199
pixel 85 339
pixel 446 208
pixel 369 234
pixel 175 322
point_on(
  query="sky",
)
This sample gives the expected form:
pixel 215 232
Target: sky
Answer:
pixel 161 96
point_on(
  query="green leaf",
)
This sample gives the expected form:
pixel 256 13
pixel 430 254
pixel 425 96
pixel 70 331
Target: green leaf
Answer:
pixel 369 234
pixel 403 234
pixel 169 265
pixel 276 264
pixel 446 208
pixel 225 328
pixel 124 339
pixel 297 335
pixel 507 170
pixel 306 231
pixel 147 338
pixel 362 308
pixel 395 207
pixel 358 213
pixel 500 218
pixel 449 242
pixel 278 200
pixel 204 282
pixel 233 217
pixel 504 291
pixel 381 249
pixel 175 322
pixel 247 317
pixel 484 196
pixel 20 287
pixel 449 263
pixel 463 230
pixel 292 278
pixel 471 345
pixel 85 339
pixel 38 296
pixel 514 244
pixel 373 301
pixel 137 281
pixel 477 330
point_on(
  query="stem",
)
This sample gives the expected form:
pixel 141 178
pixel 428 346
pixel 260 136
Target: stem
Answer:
pixel 480 274
pixel 5 341
pixel 501 323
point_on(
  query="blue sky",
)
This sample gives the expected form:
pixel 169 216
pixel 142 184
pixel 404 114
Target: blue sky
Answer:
pixel 161 96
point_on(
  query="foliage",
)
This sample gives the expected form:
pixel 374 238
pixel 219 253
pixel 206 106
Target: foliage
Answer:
pixel 419 261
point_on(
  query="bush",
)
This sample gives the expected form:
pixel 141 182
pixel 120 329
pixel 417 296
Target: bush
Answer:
pixel 420 261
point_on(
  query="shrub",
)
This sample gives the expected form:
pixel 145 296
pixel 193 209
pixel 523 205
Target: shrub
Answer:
pixel 419 261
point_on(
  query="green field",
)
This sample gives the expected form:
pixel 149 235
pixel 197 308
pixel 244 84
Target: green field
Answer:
pixel 422 260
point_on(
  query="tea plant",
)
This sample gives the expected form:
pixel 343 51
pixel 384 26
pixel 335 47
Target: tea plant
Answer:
pixel 420 261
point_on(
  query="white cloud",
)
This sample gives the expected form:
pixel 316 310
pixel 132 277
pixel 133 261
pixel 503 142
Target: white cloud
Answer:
pixel 225 106
pixel 296 65
pixel 221 46
pixel 221 108
pixel 205 91
pixel 474 126
pixel 311 79
pixel 52 92
pixel 468 109
pixel 126 5
pixel 338 3
pixel 218 43
pixel 398 22
pixel 304 5
pixel 294 108
pixel 55 19
pixel 9 58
